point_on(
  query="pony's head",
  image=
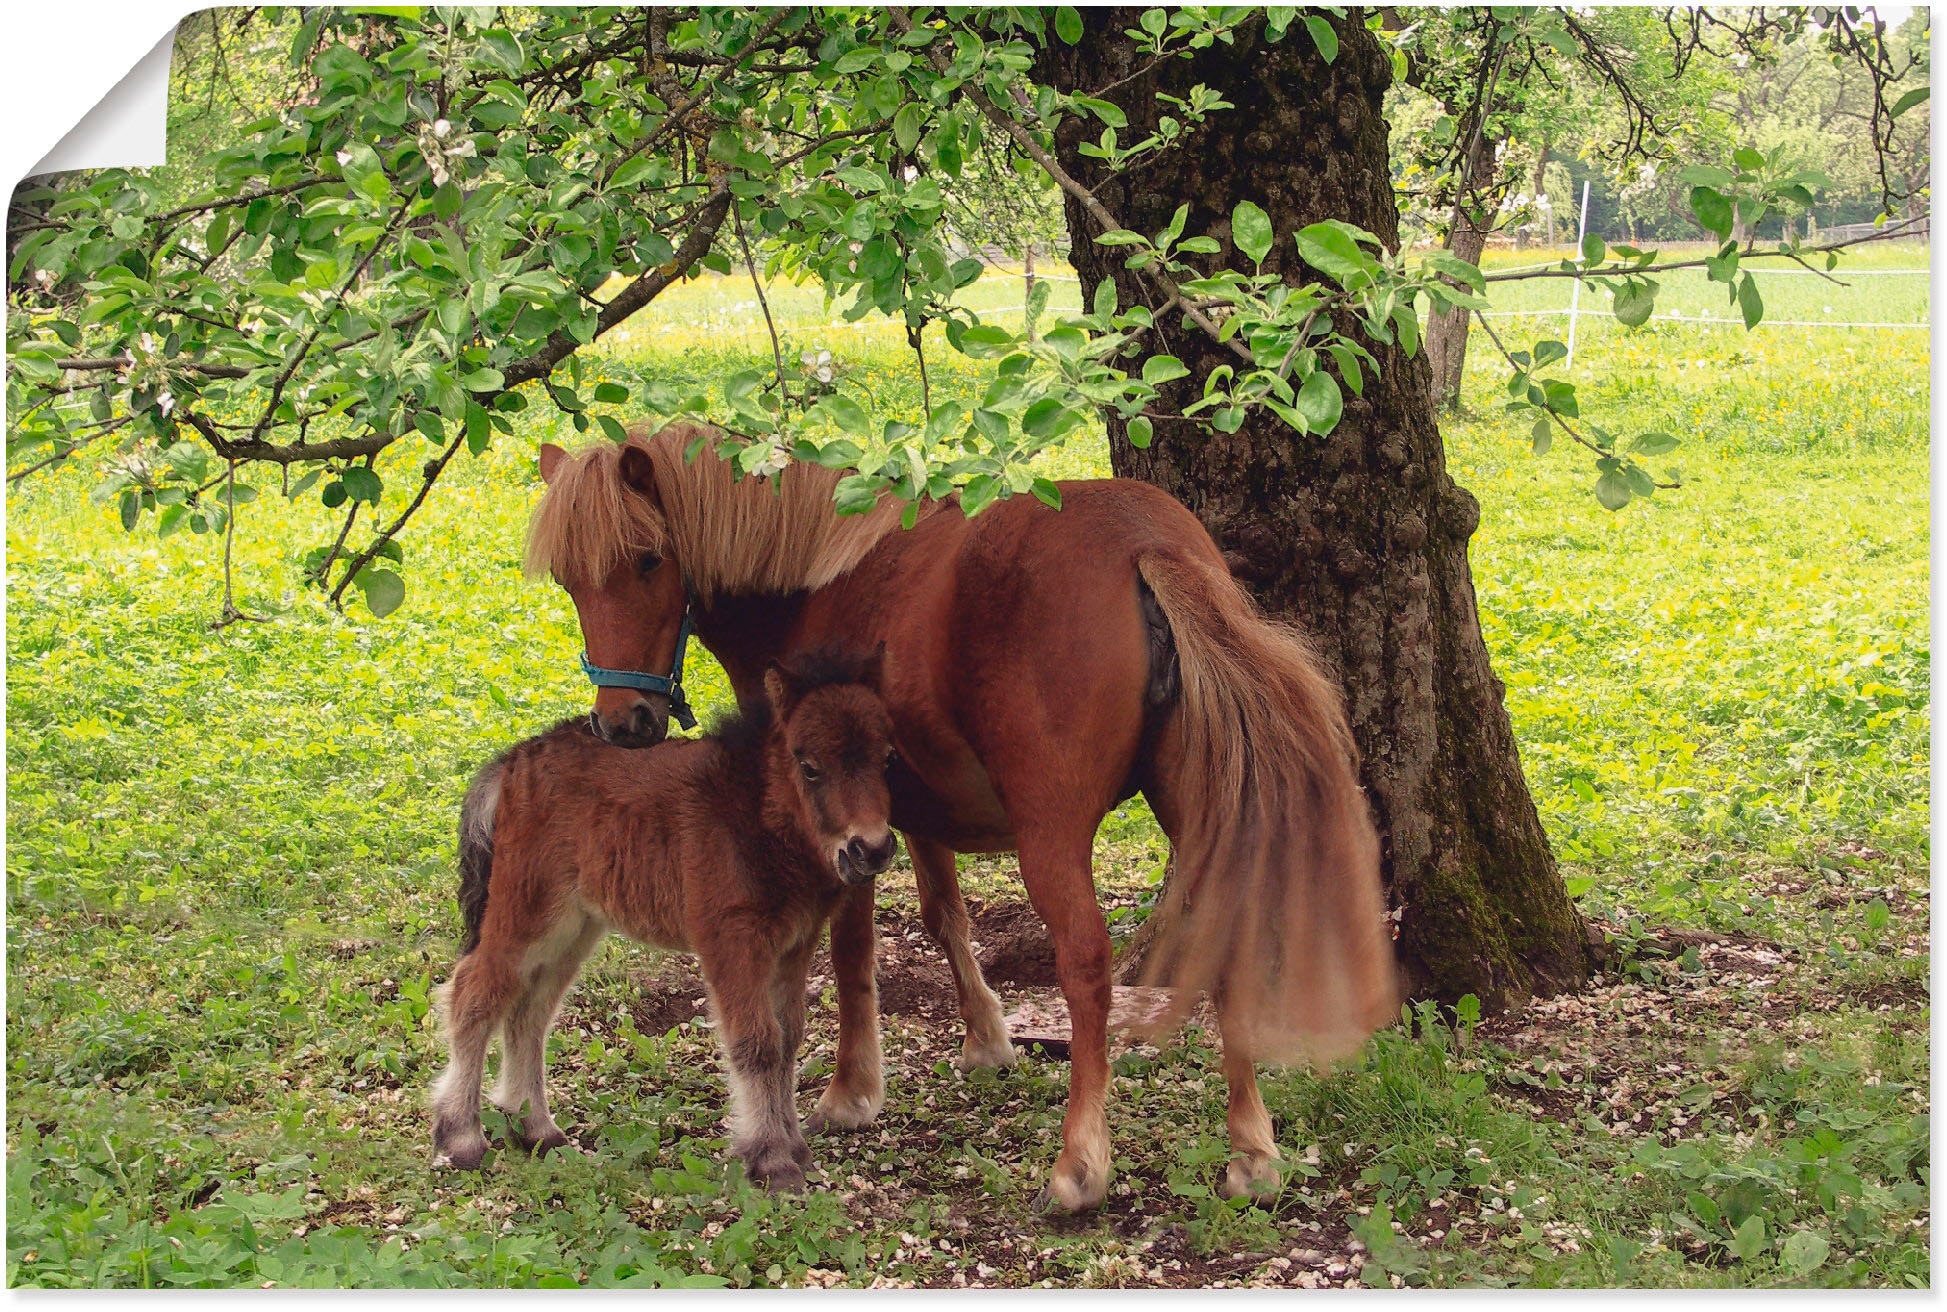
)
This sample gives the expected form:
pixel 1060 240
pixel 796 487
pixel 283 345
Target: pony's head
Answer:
pixel 833 739
pixel 601 533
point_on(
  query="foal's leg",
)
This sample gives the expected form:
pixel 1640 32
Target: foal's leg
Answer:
pixel 484 984
pixel 1055 867
pixel 787 1001
pixel 552 965
pixel 945 916
pixel 740 970
pixel 858 1087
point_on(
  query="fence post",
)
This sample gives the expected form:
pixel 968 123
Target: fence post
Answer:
pixel 1575 288
pixel 1027 273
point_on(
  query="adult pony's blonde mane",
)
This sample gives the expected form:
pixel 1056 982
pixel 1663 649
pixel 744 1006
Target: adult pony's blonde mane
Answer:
pixel 768 536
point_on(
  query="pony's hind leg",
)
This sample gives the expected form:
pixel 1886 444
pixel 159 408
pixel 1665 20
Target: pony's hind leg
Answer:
pixel 484 983
pixel 1254 1153
pixel 858 1087
pixel 522 1092
pixel 944 914
pixel 1055 867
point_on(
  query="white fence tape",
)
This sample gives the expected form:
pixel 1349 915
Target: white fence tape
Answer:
pixel 1920 324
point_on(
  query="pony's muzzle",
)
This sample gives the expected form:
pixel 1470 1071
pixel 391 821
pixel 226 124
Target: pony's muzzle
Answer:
pixel 644 723
pixel 859 860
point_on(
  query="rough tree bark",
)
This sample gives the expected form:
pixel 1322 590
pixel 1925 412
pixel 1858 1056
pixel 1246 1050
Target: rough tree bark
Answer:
pixel 1361 537
pixel 1447 329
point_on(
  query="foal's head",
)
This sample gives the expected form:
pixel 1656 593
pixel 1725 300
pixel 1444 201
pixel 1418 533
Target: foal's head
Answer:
pixel 601 533
pixel 833 742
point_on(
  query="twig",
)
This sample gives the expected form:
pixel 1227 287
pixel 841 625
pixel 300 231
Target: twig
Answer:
pixel 230 613
pixel 1891 231
pixel 702 93
pixel 427 477
pixel 916 338
pixel 322 574
pixel 750 264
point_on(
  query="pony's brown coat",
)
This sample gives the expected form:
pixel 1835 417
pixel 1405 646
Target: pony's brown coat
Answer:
pixel 1021 681
pixel 729 847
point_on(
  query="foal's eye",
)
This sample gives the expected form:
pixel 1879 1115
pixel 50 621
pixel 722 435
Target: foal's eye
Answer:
pixel 892 757
pixel 649 563
pixel 812 774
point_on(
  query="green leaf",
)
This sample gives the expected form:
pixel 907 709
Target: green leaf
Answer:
pixel 1713 211
pixel 1160 369
pixel 1320 403
pixel 1047 492
pixel 1141 430
pixel 1250 228
pixel 383 589
pixel 1542 436
pixel 1655 444
pixel 1806 1251
pixel 1068 24
pixel 131 508
pixel 1635 302
pixel 1277 18
pixel 1748 1241
pixel 1749 302
pixel 1901 106
pixel 857 494
pixel 362 484
pixel 1121 237
pixel 491 380
pixel 1323 37
pixel 1612 490
pixel 907 125
pixel 1048 418
pixel 1593 249
pixel 986 341
pixel 1331 248
pixel 611 393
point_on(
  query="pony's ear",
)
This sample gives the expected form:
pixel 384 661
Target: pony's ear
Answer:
pixel 551 458
pixel 872 669
pixel 639 472
pixel 780 690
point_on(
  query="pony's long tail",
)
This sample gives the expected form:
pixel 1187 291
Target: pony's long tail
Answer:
pixel 1275 906
pixel 477 850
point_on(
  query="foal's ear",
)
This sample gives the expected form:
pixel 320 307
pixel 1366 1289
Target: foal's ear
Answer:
pixel 551 458
pixel 639 472
pixel 779 689
pixel 872 669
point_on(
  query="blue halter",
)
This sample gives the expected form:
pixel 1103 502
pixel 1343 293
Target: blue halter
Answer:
pixel 669 685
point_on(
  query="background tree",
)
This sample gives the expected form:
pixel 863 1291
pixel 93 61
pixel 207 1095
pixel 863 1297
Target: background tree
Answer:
pixel 383 267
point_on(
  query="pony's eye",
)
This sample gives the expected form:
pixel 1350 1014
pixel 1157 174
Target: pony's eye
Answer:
pixel 892 757
pixel 810 772
pixel 649 563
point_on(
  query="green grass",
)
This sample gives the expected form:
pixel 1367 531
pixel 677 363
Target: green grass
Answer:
pixel 229 895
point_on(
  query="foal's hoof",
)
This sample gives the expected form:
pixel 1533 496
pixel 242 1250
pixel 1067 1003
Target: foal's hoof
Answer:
pixel 785 1177
pixel 1256 1177
pixel 459 1156
pixel 553 1141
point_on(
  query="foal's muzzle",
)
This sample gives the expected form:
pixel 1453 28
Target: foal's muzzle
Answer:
pixel 643 724
pixel 858 860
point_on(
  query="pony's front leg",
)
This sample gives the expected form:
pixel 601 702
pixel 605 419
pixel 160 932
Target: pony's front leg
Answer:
pixel 763 1119
pixel 858 1087
pixel 787 1001
pixel 944 914
pixel 1055 867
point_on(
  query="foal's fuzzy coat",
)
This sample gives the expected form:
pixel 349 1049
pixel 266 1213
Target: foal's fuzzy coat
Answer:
pixel 734 847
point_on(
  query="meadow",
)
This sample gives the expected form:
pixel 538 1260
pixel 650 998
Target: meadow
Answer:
pixel 229 883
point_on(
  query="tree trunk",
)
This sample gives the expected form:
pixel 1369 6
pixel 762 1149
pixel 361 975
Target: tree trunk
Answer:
pixel 1446 330
pixel 1361 537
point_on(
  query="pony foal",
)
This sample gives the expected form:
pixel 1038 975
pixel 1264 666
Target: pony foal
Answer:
pixel 734 847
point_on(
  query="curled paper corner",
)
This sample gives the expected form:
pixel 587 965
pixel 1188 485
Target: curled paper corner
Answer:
pixel 115 121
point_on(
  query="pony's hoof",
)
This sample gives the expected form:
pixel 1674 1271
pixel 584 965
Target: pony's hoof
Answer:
pixel 1255 1177
pixel 842 1111
pixel 1071 1190
pixel 988 1054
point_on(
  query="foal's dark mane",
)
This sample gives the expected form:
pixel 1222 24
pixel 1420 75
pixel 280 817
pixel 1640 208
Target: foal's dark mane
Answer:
pixel 743 732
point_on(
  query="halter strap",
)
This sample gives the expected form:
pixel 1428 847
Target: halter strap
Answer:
pixel 669 685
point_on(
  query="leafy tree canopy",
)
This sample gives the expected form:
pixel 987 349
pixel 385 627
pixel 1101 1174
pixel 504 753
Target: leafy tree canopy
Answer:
pixel 413 244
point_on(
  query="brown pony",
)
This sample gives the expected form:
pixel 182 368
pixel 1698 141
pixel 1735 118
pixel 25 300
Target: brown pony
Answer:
pixel 734 847
pixel 1040 666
